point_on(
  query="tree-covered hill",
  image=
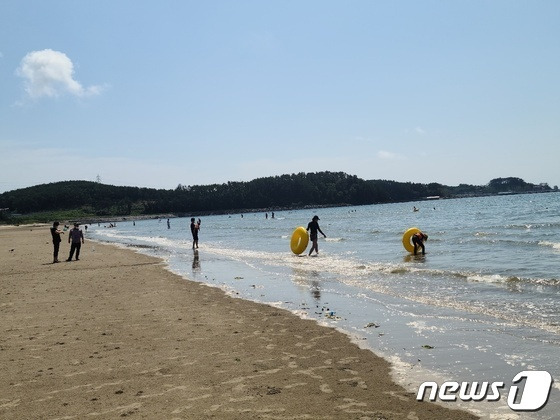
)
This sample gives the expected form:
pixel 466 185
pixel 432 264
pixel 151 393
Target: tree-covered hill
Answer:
pixel 285 191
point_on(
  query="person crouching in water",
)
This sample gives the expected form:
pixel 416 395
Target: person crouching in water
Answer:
pixel 418 241
pixel 313 226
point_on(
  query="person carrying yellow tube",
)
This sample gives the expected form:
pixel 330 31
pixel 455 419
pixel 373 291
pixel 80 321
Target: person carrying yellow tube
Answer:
pixel 313 227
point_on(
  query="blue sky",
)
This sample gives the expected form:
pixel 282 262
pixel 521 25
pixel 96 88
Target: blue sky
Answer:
pixel 161 93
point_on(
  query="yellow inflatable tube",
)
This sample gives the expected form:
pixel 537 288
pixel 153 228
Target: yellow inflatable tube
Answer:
pixel 299 240
pixel 407 239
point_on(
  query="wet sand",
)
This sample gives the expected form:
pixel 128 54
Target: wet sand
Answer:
pixel 116 335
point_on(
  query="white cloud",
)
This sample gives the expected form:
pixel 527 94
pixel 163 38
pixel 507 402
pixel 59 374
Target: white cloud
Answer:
pixel 51 73
pixel 383 154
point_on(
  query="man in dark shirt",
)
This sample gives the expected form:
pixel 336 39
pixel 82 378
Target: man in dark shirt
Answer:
pixel 55 232
pixel 313 227
pixel 76 236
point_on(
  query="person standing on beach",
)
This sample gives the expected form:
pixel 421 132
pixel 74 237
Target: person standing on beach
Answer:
pixel 55 232
pixel 76 236
pixel 195 227
pixel 313 227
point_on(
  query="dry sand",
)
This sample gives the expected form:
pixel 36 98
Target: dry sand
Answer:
pixel 116 335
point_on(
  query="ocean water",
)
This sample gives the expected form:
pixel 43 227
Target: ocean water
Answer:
pixel 481 305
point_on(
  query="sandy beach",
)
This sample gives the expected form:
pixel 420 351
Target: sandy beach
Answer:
pixel 116 335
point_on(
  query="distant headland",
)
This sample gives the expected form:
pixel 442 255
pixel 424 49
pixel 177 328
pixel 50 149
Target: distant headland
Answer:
pixel 86 200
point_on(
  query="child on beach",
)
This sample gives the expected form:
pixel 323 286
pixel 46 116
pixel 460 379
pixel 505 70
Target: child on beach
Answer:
pixel 313 226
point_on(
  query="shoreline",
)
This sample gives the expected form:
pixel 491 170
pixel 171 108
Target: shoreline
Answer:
pixel 116 334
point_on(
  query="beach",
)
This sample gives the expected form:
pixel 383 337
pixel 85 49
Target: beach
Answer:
pixel 117 335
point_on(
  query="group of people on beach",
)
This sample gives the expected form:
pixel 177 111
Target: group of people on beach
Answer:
pixel 75 239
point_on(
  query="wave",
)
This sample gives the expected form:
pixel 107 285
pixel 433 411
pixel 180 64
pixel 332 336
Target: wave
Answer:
pixel 335 239
pixel 494 278
pixel 334 265
pixel 349 267
pixel 529 226
pixel 469 307
pixel 554 245
pixel 510 241
pixel 485 234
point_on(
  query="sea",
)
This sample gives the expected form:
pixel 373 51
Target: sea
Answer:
pixel 481 306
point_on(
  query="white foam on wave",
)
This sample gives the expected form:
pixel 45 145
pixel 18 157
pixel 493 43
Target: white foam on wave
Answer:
pixel 487 278
pixel 420 327
pixel 155 241
pixel 325 263
pixel 334 239
pixel 554 245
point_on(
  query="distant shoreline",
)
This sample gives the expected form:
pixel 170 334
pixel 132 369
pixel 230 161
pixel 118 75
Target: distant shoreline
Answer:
pixel 139 217
pixel 109 219
pixel 89 201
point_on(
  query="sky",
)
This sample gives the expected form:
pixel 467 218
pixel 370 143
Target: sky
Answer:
pixel 161 93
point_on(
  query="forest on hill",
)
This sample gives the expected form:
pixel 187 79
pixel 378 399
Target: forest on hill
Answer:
pixel 85 199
